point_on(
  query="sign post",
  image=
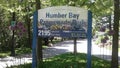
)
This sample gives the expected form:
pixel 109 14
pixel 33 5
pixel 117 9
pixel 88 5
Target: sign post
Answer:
pixel 62 21
pixel 34 41
pixel 89 38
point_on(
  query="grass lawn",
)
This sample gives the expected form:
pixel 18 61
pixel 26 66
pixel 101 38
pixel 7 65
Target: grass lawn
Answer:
pixel 4 54
pixel 69 60
pixel 119 49
pixel 24 50
pixel 18 51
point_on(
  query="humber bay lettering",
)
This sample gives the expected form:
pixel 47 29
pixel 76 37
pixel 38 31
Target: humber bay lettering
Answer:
pixel 60 15
pixel 71 15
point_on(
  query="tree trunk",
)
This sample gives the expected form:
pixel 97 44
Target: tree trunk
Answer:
pixel 39 50
pixel 13 39
pixel 46 41
pixel 28 29
pixel 114 62
pixel 38 4
pixel 110 27
pixel 75 46
pixel 39 45
pixel 29 34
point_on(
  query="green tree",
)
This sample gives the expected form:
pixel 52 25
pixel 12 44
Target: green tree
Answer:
pixel 21 11
pixel 4 32
pixel 12 45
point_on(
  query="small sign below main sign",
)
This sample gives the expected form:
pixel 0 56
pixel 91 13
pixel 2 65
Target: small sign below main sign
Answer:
pixel 48 33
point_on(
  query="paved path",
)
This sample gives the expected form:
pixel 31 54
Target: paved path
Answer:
pixel 60 48
pixel 82 48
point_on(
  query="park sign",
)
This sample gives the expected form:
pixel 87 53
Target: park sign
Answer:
pixel 62 21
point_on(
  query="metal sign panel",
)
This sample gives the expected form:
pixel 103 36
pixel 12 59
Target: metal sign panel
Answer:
pixel 62 21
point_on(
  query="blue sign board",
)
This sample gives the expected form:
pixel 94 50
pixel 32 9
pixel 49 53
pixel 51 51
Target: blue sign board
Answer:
pixel 62 21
